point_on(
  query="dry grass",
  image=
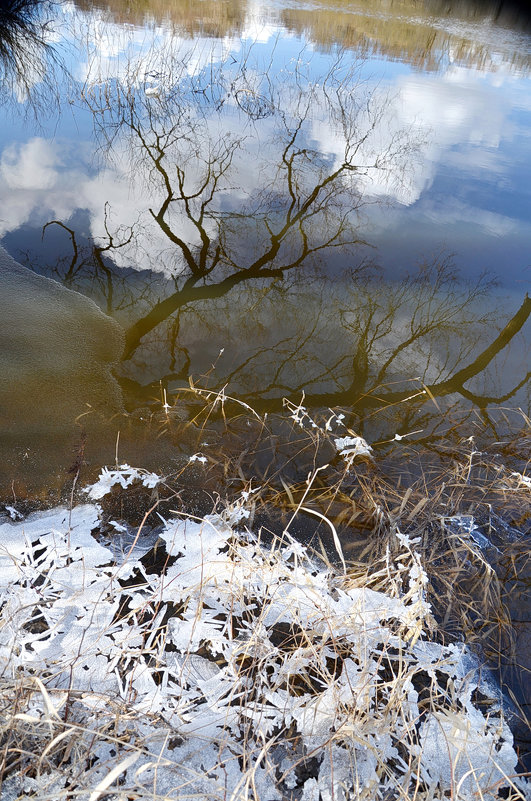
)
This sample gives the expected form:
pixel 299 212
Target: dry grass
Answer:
pixel 230 661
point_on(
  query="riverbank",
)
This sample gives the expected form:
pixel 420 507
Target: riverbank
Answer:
pixel 148 651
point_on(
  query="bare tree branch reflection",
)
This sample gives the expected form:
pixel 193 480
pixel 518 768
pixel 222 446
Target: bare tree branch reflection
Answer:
pixel 230 226
pixel 453 384
pixel 250 248
pixel 28 62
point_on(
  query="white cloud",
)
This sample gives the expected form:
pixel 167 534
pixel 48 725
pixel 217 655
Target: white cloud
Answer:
pixel 457 109
pixel 454 210
pixel 32 165
pixel 442 114
pixel 44 178
pixel 129 54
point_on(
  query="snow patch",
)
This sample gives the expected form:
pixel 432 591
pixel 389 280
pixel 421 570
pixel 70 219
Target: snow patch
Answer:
pixel 235 664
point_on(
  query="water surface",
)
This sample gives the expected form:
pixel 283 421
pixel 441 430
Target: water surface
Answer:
pixel 282 198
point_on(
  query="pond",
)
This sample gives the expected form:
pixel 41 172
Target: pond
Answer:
pixel 291 205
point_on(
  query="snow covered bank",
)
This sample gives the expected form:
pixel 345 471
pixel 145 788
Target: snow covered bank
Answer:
pixel 236 671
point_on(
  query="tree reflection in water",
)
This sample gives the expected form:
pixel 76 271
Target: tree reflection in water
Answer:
pixel 29 64
pixel 249 251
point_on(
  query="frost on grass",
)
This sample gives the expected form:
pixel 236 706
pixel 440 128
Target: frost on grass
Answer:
pixel 123 476
pixel 237 671
pixel 197 457
pixel 351 447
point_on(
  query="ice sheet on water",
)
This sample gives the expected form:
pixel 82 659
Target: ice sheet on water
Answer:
pixel 17 540
pixel 127 541
pixel 460 754
pixel 466 526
